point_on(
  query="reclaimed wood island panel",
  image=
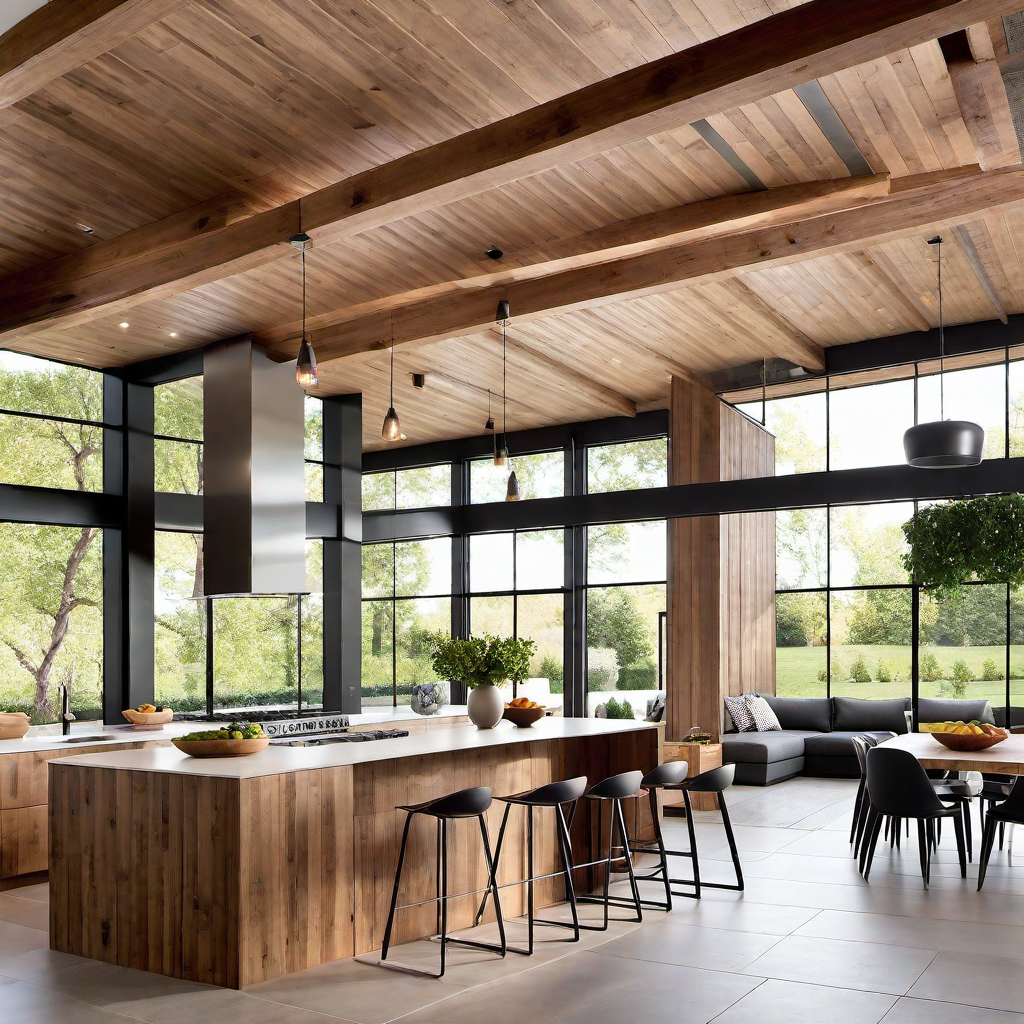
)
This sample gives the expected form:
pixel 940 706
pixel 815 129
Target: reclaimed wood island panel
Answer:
pixel 235 871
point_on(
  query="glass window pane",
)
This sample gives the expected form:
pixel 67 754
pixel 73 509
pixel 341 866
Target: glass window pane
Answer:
pixel 314 481
pixel 314 444
pixel 178 408
pixel 178 466
pixel 622 646
pixel 33 584
pixel 51 453
pixel 313 627
pixel 255 651
pixel 866 424
pixel 492 615
pixel 868 544
pixel 871 637
pixel 378 652
pixel 539 618
pixel 1016 707
pixel 539 476
pixel 423 567
pixel 425 487
pixel 490 562
pixel 29 384
pixel 540 560
pixel 963 645
pixel 627 467
pixel 626 552
pixel 978 394
pixel 378 491
pixel 800 651
pixel 1016 409
pixel 801 548
pixel 798 423
pixel 413 621
pixel 378 570
pixel 180 652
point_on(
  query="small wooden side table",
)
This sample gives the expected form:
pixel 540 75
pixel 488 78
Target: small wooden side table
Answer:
pixel 701 757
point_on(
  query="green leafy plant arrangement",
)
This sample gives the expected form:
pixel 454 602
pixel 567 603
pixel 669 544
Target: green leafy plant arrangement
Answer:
pixel 480 659
pixel 959 541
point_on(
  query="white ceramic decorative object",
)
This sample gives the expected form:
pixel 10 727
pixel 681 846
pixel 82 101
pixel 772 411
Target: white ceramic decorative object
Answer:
pixel 485 705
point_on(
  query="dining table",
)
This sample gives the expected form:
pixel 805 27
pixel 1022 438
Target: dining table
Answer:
pixel 1006 758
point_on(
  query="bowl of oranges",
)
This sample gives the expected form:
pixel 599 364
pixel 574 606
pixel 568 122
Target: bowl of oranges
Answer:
pixel 149 716
pixel 523 712
pixel 965 736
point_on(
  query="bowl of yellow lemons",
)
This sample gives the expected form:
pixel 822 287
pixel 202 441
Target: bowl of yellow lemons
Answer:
pixel 965 736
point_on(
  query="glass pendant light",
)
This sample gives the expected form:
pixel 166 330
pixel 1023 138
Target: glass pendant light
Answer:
pixel 305 362
pixel 943 444
pixel 392 429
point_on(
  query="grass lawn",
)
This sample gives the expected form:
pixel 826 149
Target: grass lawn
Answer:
pixel 797 668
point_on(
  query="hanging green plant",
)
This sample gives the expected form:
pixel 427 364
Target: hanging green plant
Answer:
pixel 960 541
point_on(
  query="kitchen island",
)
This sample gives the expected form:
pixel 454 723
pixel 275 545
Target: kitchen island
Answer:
pixel 232 871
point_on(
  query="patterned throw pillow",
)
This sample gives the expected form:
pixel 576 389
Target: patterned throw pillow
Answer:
pixel 740 713
pixel 765 720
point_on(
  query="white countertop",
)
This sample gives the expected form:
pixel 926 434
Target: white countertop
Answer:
pixel 50 738
pixel 278 760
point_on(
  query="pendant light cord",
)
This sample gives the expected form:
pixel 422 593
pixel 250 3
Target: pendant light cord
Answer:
pixel 764 392
pixel 504 377
pixel 391 403
pixel 942 339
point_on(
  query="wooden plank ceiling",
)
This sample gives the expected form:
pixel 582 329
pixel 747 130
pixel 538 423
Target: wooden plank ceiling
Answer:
pixel 227 109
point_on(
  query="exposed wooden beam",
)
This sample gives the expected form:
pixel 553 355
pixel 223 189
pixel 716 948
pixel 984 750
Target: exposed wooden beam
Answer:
pixel 779 52
pixel 639 234
pixel 467 306
pixel 789 342
pixel 886 279
pixel 64 34
pixel 970 251
pixel 980 94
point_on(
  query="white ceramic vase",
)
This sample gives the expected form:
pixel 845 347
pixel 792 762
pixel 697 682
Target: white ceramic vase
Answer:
pixel 485 705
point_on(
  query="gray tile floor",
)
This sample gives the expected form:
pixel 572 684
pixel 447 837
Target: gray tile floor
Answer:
pixel 808 941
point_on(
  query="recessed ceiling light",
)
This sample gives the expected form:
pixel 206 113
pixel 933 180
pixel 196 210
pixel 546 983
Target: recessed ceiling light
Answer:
pixel 85 227
pixel 173 334
pixel 124 323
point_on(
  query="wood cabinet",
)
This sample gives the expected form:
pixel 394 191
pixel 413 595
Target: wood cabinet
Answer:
pixel 23 798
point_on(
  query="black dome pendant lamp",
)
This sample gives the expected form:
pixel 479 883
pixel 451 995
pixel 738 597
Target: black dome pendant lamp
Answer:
pixel 943 444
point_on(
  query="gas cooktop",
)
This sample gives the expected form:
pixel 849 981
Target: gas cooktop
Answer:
pixel 277 722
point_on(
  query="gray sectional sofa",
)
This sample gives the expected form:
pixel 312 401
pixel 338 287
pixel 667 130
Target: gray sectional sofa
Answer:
pixel 817 733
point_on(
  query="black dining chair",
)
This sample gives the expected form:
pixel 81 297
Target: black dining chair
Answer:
pixel 899 788
pixel 1009 812
pixel 861 746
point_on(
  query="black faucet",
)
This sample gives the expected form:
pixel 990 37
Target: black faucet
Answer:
pixel 66 718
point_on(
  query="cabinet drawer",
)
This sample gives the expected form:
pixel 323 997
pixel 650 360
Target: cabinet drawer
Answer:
pixel 23 841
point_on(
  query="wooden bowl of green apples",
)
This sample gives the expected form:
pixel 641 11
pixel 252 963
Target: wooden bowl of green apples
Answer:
pixel 238 739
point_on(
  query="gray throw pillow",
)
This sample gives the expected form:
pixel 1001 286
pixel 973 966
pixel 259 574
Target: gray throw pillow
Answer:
pixel 765 720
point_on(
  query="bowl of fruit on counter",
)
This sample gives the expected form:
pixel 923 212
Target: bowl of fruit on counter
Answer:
pixel 149 716
pixel 235 740
pixel 966 736
pixel 522 712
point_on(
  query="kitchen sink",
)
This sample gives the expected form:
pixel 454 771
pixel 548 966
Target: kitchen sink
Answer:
pixel 89 739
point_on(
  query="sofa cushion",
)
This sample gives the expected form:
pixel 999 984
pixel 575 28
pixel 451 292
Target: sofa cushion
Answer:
pixel 764 747
pixel 742 719
pixel 761 711
pixel 810 713
pixel 854 714
pixel 934 709
pixel 836 744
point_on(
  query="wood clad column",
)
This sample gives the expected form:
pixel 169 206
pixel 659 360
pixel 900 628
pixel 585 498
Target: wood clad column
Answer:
pixel 721 570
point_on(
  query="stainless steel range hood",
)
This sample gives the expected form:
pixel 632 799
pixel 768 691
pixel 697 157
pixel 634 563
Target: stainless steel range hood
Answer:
pixel 254 493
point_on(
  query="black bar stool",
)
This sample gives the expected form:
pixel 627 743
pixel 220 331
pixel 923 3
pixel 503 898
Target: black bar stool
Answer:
pixel 716 780
pixel 666 776
pixel 468 803
pixel 614 790
pixel 556 795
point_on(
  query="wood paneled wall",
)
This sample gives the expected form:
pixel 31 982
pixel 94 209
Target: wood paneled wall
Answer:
pixel 721 569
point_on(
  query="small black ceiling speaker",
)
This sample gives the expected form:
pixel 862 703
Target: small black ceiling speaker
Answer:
pixel 944 444
pixel 419 380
